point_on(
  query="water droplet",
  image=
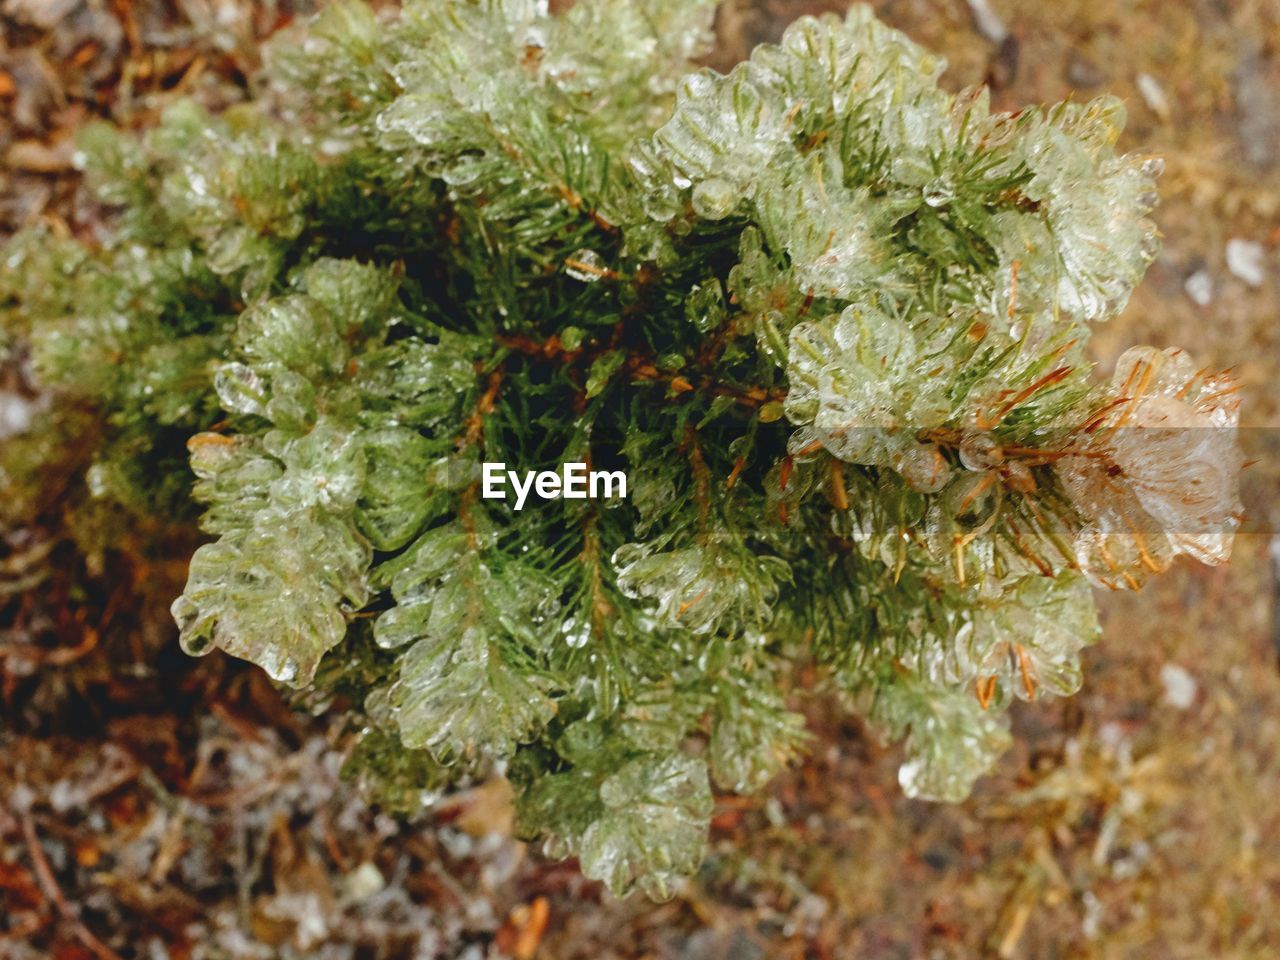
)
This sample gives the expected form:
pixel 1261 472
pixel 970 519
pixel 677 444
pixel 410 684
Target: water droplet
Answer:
pixel 939 192
pixel 239 389
pixel 715 199
pixel 979 451
pixel 1152 167
pixel 771 411
pixel 586 265
pixel 576 634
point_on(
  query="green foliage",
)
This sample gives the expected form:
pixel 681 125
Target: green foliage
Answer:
pixel 827 317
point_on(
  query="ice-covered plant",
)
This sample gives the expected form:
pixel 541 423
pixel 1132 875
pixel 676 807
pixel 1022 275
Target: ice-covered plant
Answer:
pixel 828 318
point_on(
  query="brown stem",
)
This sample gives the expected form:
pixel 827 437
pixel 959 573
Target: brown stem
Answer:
pixel 49 884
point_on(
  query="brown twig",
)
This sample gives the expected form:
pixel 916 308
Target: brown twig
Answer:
pixel 54 657
pixel 49 884
pixel 642 368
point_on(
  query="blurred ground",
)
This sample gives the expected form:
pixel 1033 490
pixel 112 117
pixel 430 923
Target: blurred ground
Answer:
pixel 153 806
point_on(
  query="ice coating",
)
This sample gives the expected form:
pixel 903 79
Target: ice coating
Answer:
pixel 1157 475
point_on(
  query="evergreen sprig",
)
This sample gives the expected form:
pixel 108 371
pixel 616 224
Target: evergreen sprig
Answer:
pixel 828 317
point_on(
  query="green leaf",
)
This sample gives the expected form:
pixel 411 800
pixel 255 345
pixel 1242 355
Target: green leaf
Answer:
pixel 397 498
pixel 602 368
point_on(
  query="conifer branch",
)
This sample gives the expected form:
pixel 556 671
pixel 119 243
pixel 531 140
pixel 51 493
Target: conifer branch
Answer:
pixel 828 319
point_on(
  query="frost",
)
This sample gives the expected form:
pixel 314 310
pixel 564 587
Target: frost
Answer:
pixel 754 735
pixel 395 501
pixel 361 295
pixel 415 383
pixel 293 333
pixel 830 232
pixel 275 526
pixel 705 307
pixel 456 694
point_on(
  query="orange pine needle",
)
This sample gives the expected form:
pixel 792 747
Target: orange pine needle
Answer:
pixel 684 607
pixel 978 490
pixel 839 495
pixel 1056 375
pixel 1024 668
pixel 1013 287
pixel 985 689
pixel 209 440
pixel 784 472
pixel 735 472
pixel 604 272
